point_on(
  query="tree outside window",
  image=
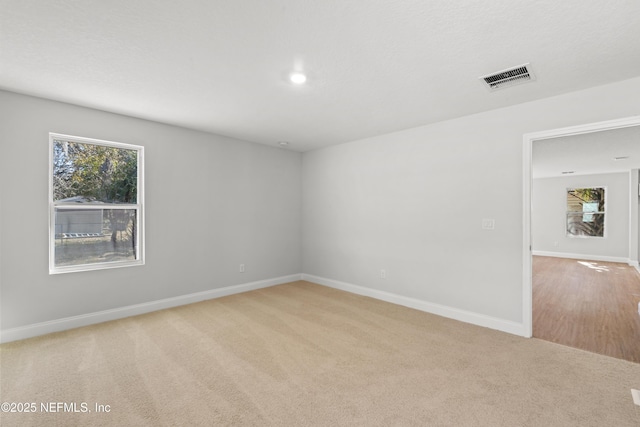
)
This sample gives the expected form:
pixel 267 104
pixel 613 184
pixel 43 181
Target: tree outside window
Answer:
pixel 96 204
pixel 586 212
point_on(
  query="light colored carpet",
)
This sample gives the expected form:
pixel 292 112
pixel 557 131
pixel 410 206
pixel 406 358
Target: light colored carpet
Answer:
pixel 305 355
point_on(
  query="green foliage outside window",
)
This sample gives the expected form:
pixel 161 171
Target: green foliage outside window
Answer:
pixel 94 172
pixel 586 212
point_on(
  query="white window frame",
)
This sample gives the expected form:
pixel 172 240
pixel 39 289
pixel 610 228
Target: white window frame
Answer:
pixel 603 213
pixel 139 207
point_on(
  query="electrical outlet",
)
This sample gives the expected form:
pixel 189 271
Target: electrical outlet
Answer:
pixel 241 268
pixel 383 274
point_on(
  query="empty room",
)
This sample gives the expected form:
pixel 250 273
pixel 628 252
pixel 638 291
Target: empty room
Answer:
pixel 324 213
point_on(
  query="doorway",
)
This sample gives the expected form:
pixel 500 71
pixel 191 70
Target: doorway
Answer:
pixel 547 137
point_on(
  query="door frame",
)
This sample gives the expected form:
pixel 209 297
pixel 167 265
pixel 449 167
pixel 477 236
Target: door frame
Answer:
pixel 528 140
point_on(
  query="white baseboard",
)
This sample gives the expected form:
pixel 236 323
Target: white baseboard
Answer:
pixel 440 310
pixel 42 328
pixel 582 256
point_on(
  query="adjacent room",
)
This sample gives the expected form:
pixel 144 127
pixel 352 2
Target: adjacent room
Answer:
pixel 319 213
pixel 585 241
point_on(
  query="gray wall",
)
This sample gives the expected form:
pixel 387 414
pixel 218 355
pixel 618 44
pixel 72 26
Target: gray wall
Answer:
pixel 548 217
pixel 412 202
pixel 211 203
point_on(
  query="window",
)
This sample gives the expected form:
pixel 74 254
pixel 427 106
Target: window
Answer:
pixel 585 212
pixel 95 204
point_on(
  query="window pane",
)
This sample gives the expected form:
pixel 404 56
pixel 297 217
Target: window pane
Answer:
pixel 579 224
pixel 585 212
pixel 585 200
pixel 85 173
pixel 89 236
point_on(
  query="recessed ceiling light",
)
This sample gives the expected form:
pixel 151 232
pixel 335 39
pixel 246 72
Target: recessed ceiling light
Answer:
pixel 568 172
pixel 297 78
pixel 283 143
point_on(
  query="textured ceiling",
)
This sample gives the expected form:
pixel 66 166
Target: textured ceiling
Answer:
pixel 374 66
pixel 587 154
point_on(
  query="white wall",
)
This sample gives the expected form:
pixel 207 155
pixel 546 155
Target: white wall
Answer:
pixel 548 217
pixel 211 203
pixel 412 202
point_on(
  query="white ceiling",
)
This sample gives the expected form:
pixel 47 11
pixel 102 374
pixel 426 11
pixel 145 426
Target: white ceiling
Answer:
pixel 587 154
pixel 374 66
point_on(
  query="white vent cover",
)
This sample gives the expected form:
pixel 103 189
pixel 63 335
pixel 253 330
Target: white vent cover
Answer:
pixel 509 77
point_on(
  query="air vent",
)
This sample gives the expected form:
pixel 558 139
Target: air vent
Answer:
pixel 510 77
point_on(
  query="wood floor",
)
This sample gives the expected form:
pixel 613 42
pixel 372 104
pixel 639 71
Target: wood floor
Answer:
pixel 590 305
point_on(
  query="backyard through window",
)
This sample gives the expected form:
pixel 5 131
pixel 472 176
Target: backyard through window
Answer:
pixel 95 204
pixel 585 212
